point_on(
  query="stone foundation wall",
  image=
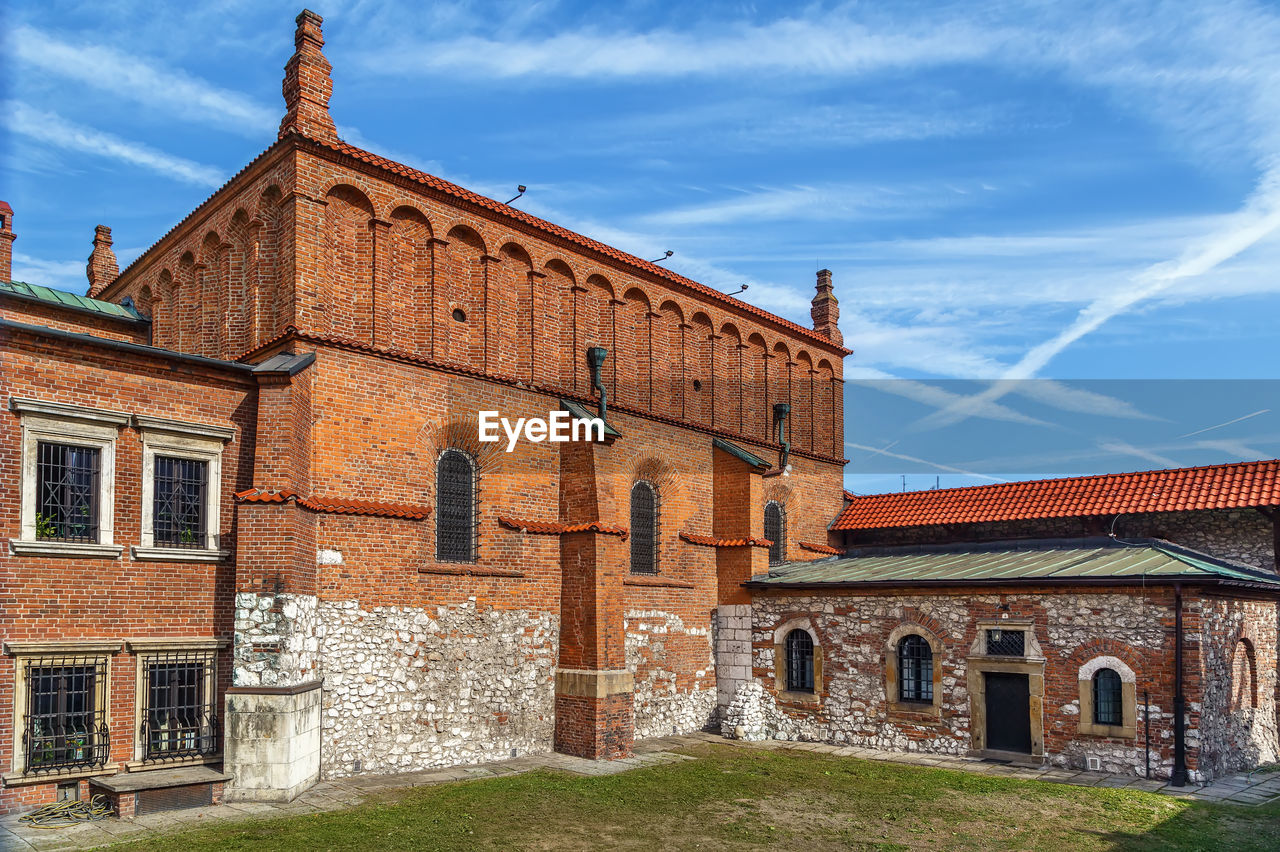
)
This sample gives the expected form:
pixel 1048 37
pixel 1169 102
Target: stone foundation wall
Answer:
pixel 275 639
pixel 409 688
pixel 675 673
pixel 1131 626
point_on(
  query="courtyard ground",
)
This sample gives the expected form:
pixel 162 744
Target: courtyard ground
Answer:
pixel 711 795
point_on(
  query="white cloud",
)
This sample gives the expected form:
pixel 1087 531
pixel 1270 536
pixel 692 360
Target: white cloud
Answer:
pixel 52 129
pixel 124 75
pixel 63 274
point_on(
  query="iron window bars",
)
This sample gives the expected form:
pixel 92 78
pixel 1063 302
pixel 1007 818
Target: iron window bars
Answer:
pixel 179 502
pixel 457 507
pixel 1006 643
pixel 644 528
pixel 799 649
pixel 915 669
pixel 67 492
pixel 1107 704
pixel 775 529
pixel 179 717
pixel 65 725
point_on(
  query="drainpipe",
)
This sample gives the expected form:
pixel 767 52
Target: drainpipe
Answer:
pixel 1179 775
pixel 595 363
pixel 780 412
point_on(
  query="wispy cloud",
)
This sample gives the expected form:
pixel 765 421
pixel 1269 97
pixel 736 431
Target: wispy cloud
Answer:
pixel 883 451
pixel 64 274
pixel 52 129
pixel 123 75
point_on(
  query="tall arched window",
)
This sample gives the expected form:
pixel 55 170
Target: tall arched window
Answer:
pixel 1108 705
pixel 915 669
pixel 456 508
pixel 775 529
pixel 799 647
pixel 644 528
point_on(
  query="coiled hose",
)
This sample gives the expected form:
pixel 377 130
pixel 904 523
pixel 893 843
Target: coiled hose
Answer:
pixel 63 814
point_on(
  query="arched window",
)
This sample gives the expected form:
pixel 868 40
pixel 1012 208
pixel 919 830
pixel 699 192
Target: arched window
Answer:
pixel 456 507
pixel 644 528
pixel 915 669
pixel 1108 706
pixel 799 647
pixel 775 529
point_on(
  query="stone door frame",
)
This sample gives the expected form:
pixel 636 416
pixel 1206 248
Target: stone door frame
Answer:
pixel 978 663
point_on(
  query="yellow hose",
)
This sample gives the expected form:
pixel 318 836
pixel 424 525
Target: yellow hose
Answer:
pixel 63 814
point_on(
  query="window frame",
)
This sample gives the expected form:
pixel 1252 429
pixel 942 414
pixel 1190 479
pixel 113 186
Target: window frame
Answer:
pixel 73 425
pixel 780 542
pixel 1088 724
pixel 1115 702
pixel 923 679
pixel 781 664
pixel 919 712
pixel 57 653
pixel 194 442
pixel 474 524
pixel 148 652
pixel 656 545
pixel 799 683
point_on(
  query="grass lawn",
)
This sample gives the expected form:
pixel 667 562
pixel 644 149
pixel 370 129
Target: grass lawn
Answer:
pixel 734 798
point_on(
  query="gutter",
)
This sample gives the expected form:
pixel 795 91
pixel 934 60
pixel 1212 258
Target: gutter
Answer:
pixel 1178 777
pixel 130 348
pixel 1148 580
pixel 77 309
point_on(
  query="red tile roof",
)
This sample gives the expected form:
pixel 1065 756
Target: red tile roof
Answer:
pixel 1225 486
pixel 558 528
pixel 335 506
pixel 444 186
pixel 712 541
pixel 820 548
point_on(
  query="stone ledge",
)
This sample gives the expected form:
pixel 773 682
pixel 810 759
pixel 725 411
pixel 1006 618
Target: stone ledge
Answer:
pixel 657 582
pixel 471 572
pixel 158 779
pixel 594 684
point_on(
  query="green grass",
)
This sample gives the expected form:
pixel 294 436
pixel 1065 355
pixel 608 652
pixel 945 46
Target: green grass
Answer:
pixel 736 798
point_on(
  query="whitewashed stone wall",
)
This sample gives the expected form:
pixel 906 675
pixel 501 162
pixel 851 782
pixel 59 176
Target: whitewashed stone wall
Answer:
pixel 409 688
pixel 275 639
pixel 661 706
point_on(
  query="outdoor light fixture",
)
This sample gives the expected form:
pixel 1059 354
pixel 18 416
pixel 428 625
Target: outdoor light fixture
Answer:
pixel 996 634
pixel 595 363
pixel 521 189
pixel 664 257
pixel 736 292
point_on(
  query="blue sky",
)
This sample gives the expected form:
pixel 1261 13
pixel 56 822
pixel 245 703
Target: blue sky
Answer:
pixel 1003 191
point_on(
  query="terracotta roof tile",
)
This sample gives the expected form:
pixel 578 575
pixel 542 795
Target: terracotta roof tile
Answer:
pixel 820 548
pixel 334 506
pixel 558 527
pixel 1225 486
pixel 712 541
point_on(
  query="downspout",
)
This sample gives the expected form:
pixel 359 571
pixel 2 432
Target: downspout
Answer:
pixel 780 412
pixel 595 363
pixel 1179 776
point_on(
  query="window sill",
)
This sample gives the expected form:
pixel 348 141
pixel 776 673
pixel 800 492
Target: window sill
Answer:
pixel 463 570
pixel 655 580
pixel 806 698
pixel 19 779
pixel 920 712
pixel 1119 732
pixel 24 547
pixel 140 766
pixel 179 554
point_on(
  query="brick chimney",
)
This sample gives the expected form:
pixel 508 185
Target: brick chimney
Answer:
pixel 307 86
pixel 6 241
pixel 102 268
pixel 826 310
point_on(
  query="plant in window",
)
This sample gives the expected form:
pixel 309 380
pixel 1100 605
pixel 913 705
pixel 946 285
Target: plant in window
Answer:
pixel 46 526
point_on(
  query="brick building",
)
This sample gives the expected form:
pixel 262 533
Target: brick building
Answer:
pixel 255 538
pixel 253 456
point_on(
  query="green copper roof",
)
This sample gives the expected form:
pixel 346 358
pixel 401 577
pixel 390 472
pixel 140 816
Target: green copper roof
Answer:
pixel 67 300
pixel 1081 560
pixel 581 412
pixel 734 450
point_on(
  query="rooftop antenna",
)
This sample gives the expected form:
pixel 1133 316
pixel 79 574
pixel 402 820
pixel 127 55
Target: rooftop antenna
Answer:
pixel 739 290
pixel 521 189
pixel 668 254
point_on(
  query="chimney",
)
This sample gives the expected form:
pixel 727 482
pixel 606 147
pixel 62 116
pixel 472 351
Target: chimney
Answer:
pixel 307 86
pixel 6 241
pixel 826 310
pixel 102 268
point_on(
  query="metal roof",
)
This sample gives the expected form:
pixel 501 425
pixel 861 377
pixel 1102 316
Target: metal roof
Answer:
pixel 580 412
pixel 1025 562
pixel 740 453
pixel 64 299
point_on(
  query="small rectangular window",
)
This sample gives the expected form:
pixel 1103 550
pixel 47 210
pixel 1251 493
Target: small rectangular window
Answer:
pixel 1006 643
pixel 179 512
pixel 179 719
pixel 67 492
pixel 65 724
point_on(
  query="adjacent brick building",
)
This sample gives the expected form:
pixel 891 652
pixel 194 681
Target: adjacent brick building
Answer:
pixel 254 537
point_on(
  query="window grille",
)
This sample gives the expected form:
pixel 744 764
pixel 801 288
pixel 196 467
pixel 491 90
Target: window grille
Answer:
pixel 456 507
pixel 915 669
pixel 644 528
pixel 179 717
pixel 65 725
pixel 179 502
pixel 799 649
pixel 66 492
pixel 775 529
pixel 1006 643
pixel 1107 704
